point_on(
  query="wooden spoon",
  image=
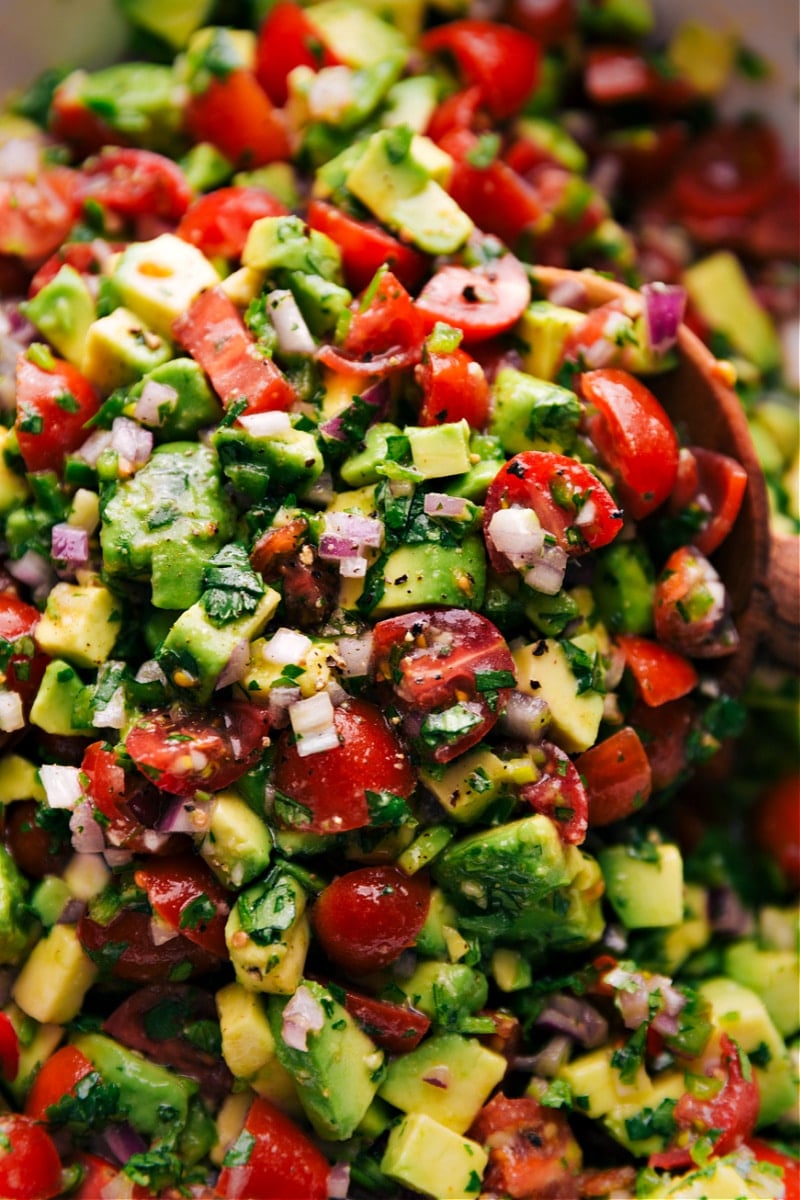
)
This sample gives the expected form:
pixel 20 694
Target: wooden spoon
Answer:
pixel 761 578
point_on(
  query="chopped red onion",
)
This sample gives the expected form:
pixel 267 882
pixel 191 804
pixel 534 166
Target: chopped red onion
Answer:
pixel 664 305
pixel 70 543
pixel 117 856
pixel 62 785
pixel 87 835
pixel 547 575
pixel 334 548
pixel 517 533
pixel 294 336
pixel 286 646
pixel 150 672
pixel 353 567
pixel 132 443
pixel 336 692
pixel 439 504
pixel 236 665
pixel 378 397
pixel 12 715
pixel 570 293
pixel 280 701
pixel 72 911
pixel 366 531
pixel 155 403
pixel 525 717
pixel 552 1055
pixel 339 1181
pixel 727 914
pixel 16 334
pixel 575 1017
pixel 301 1016
pixel 355 653
pixel 186 815
pixel 96 444
pixel 438 1076
pixel 32 569
pixel 265 424
pixel 123 1141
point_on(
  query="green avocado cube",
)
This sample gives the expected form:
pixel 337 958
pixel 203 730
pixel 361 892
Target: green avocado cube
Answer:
pixel 238 845
pixel 644 893
pixel 120 348
pixel 428 1157
pixel 174 22
pixel 139 100
pixel 193 406
pixel 414 576
pixel 440 450
pixel 447 1078
pixel 159 279
pixel 63 311
pixel 543 329
pixel 15 920
pixel 545 670
pixel 533 414
pixel 147 1091
pixel 284 243
pixel 354 35
pixel 81 623
pixel 59 692
pixel 412 102
pixel 721 292
pixel 772 975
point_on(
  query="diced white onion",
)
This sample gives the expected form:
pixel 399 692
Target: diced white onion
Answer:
pixel 117 856
pixel 330 94
pixel 301 1016
pixel 112 715
pixel 87 835
pixel 12 716
pixel 62 785
pixel 32 569
pixel 355 653
pixel 353 567
pixel 439 504
pixel 365 531
pixel 150 672
pixel 313 725
pixel 236 665
pixel 525 717
pixel 547 575
pixel 294 336
pixel 160 931
pixel 265 424
pixel 286 646
pixel 155 402
pixel 517 533
pixel 587 513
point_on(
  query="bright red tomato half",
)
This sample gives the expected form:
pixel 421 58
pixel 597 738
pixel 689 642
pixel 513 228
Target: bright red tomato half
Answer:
pixel 709 489
pixel 365 247
pixel 560 794
pixel 691 607
pixel 617 777
pixel 219 222
pixel 288 39
pixel 365 919
pixel 733 170
pixel 53 406
pixel 661 674
pixel 493 194
pixel 30 1168
pixel 776 825
pixel 124 949
pixel 188 898
pixel 281 1162
pixel 36 214
pixel 135 183
pixel 501 61
pixel 481 301
pixel 26 664
pixel 384 335
pixel 236 115
pixel 454 388
pixel 55 1079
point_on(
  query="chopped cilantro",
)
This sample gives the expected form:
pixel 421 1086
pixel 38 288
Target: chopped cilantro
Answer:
pixel 232 587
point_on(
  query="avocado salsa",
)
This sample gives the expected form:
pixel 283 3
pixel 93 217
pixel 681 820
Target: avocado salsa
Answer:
pixel 359 617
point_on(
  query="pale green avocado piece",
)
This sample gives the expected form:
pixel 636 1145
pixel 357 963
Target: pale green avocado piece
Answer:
pixel 619 18
pixel 533 414
pixel 737 1176
pixel 772 975
pixel 63 311
pixel 423 574
pixel 146 1089
pixel 467 787
pixel 468 1070
pixel 440 921
pixel 543 330
pixel 644 1128
pixel 555 141
pixel 439 451
pixel 430 1158
pixel 49 897
pixel 267 934
pixel 444 990
pixel 205 168
pixel 359 469
pixel 194 407
pixel 412 102
pixel 238 845
pixel 167 521
pixel 119 348
pixel 356 36
pixel 644 893
pixel 623 586
pixel 15 919
pixel 175 22
pixel 338 1073
pixel 140 100
pixel 283 243
pixel 57 695
pixel 721 292
pixel 544 669
pixel 288 459
pixel 159 279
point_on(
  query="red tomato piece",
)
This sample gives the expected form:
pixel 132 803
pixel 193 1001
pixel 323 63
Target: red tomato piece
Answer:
pixel 458 111
pixel 493 194
pixel 395 1027
pixel 130 805
pixel 26 663
pixel 36 215
pixel 501 61
pixel 212 331
pixel 97 1175
pixel 439 660
pixel 531 1149
pixel 333 784
pixel 36 851
pixel 567 497
pixel 711 487
pixel 618 75
pixel 9 1049
pixel 88 258
pixel 236 115
pixel 189 898
pixel 183 751
pixel 548 20
pixel 661 674
pixel 124 949
pixel 366 247
pixel 733 1110
pixel 481 301
pixel 135 183
pixel 663 732
pixel 790 1166
pixel 635 436
pixel 733 170
pixel 53 406
pixel 385 334
pixel 559 793
pixel 776 826
pixel 365 919
pixel 30 1168
pixel 617 776
pixel 283 1164
pixel 218 223
pixel 55 1079
pixel 288 39
pixel 454 388
pixel 691 607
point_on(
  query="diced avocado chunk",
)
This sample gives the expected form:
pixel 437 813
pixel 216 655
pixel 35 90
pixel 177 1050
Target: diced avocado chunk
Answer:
pixel 430 1158
pixel 288 459
pixel 267 934
pixel 13 488
pixel 356 36
pixel 167 521
pixel 237 846
pixel 543 328
pixel 445 991
pixel 338 1072
pixel 63 311
pixel 412 102
pixel 544 669
pixel 80 623
pixel 205 168
pixel 468 1071
pixel 15 922
pixel 623 586
pixel 285 243
pixel 440 450
pixel 19 780
pixel 703 56
pixel 644 892
pixel 159 279
pixel 53 707
pixel 152 1097
pixel 414 576
pixel 721 292
pixel 555 141
pixel 596 1086
pixel 648 1128
pixel 248 1047
pixel 55 978
pixel 174 22
pixel 360 468
pixel 139 100
pixel 466 788
pixel 48 899
pixel 772 975
pixel 36 1044
pixel 120 348
pixel 533 414
pixel 737 1175
pixel 193 406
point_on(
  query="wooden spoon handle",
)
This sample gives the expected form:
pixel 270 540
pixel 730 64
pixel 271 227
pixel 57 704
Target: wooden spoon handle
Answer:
pixel 782 608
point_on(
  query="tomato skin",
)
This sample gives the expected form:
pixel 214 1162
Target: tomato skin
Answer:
pixel 213 332
pixel 172 885
pixel 635 436
pixel 130 805
pixel 495 196
pixel 365 919
pixel 713 485
pixel 333 785
pixel 480 301
pixel 9 1049
pixel 791 1167
pixel 617 776
pixel 776 826
pixel 501 61
pixel 454 387
pixel 135 183
pixel 384 337
pixel 142 961
pixel 458 111
pixel 395 1027
pixel 163 745
pixel 284 1164
pixel 36 214
pixel 732 171
pixel 236 115
pixel 559 793
pixel 661 674
pixel 365 246
pixel 46 431
pixel 690 609
pixel 30 1168
pixel 55 1079
pixel 219 222
pixel 532 479
pixel 531 1149
pixel 288 39
pixel 26 664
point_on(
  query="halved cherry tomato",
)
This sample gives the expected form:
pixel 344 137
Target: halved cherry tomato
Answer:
pixel 445 660
pixel 130 806
pixel 188 898
pixel 776 825
pixel 710 488
pixel 124 949
pixel 661 674
pixel 88 258
pixel 365 919
pixel 532 1151
pixel 384 335
pixel 454 388
pixel 53 406
pixel 501 61
pixel 635 436
pixel 219 222
pixel 617 776
pixel 213 332
pixel 733 170
pixel 24 664
pixel 334 785
pixel 567 497
pixel 732 1113
pixel 281 1163
pixel 458 111
pixel 288 39
pixel 55 1079
pixel 492 193
pixel 559 794
pixel 365 247
pixel 135 183
pixel 9 1049
pixel 547 20
pixel 30 1168
pixel 395 1027
pixel 481 301
pixel 790 1166
pixel 663 732
pixel 236 115
pixel 184 751
pixel 36 214
pixel 691 607
pixel 36 850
